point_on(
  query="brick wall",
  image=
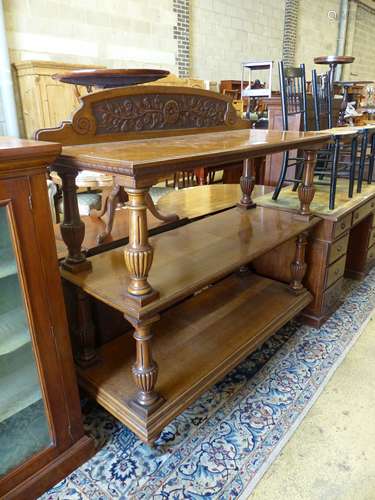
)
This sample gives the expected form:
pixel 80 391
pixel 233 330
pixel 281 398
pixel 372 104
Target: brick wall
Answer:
pixel 181 32
pixel 210 43
pixel 317 32
pixel 224 33
pixel 127 33
pixel 364 43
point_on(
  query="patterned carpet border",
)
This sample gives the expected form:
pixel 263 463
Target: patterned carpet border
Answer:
pixel 220 446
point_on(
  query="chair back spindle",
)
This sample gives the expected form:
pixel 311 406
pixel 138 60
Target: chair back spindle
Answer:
pixel 322 100
pixel 293 93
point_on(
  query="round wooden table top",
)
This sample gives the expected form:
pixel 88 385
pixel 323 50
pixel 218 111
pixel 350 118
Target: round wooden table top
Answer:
pixel 110 78
pixel 197 201
pixel 333 59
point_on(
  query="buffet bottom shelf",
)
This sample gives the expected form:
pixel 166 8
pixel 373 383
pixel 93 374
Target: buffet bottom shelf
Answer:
pixel 195 344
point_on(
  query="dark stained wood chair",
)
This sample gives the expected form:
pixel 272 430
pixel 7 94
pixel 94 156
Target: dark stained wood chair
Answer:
pixel 293 98
pixel 293 104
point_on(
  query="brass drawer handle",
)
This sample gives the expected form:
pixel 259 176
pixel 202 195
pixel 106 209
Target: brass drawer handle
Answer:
pixel 339 249
pixel 343 225
pixel 337 271
pixel 356 216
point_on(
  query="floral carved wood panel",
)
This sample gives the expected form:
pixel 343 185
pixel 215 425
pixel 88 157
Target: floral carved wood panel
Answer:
pixel 160 112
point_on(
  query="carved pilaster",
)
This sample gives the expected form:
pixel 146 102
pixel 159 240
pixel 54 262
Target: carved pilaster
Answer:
pixel 145 369
pixel 298 266
pixel 306 190
pixel 138 252
pixel 247 183
pixel 86 355
pixel 72 228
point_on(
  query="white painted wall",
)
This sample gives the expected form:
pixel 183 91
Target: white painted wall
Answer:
pixel 125 33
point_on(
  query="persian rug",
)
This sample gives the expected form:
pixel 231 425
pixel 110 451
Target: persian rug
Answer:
pixel 221 446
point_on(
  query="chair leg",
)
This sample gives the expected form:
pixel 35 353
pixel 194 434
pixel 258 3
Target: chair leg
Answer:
pixel 353 162
pixel 281 180
pixel 372 160
pixel 332 190
pixel 362 161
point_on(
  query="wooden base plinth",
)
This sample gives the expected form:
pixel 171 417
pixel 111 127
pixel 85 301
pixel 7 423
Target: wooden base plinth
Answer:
pixel 194 344
pixel 317 321
pixel 54 472
pixel 355 275
pixel 85 265
pixel 136 302
pixel 144 411
pixel 246 206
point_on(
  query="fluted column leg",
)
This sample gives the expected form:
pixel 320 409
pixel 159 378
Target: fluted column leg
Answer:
pixel 298 266
pixel 87 354
pixel 306 190
pixel 145 368
pixel 72 228
pixel 247 183
pixel 138 252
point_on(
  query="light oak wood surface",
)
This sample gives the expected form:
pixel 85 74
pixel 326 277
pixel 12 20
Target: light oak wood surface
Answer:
pixel 189 204
pixel 190 257
pixel 154 158
pixel 195 344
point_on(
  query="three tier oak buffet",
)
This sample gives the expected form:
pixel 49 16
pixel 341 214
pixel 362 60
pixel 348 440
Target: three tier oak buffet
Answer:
pixel 195 308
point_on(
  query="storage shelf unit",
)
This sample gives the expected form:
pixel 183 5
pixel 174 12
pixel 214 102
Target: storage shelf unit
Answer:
pixel 223 316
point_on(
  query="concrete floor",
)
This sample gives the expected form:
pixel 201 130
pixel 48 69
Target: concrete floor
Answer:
pixel 332 454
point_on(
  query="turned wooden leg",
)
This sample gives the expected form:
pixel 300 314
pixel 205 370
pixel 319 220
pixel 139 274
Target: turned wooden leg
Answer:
pixel 72 228
pixel 105 194
pixel 145 369
pixel 298 266
pixel 247 182
pixel 138 252
pixel 111 204
pixel 306 190
pixel 155 212
pixel 87 354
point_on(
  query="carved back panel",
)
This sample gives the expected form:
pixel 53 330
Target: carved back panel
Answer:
pixel 140 112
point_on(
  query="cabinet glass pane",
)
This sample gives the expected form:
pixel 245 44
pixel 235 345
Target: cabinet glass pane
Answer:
pixel 23 423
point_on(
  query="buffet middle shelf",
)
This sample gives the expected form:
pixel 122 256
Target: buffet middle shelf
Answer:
pixel 203 323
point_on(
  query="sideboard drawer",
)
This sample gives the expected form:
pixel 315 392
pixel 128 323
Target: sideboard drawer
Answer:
pixel 335 271
pixel 338 248
pixel 364 210
pixel 342 225
pixel 332 296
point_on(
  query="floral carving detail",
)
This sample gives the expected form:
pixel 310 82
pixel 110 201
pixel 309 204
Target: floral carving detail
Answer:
pixel 158 112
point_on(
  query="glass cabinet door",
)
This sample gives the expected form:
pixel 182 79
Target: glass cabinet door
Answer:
pixel 24 428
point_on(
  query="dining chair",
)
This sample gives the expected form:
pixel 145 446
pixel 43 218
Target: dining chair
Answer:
pixel 293 106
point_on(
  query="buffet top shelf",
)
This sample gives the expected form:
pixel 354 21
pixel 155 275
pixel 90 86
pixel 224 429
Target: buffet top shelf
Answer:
pixel 148 157
pixel 191 257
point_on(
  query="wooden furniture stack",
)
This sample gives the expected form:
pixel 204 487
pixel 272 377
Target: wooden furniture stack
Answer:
pixel 41 432
pixel 176 287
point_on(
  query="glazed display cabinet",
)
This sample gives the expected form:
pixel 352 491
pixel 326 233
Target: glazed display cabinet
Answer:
pixel 41 433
